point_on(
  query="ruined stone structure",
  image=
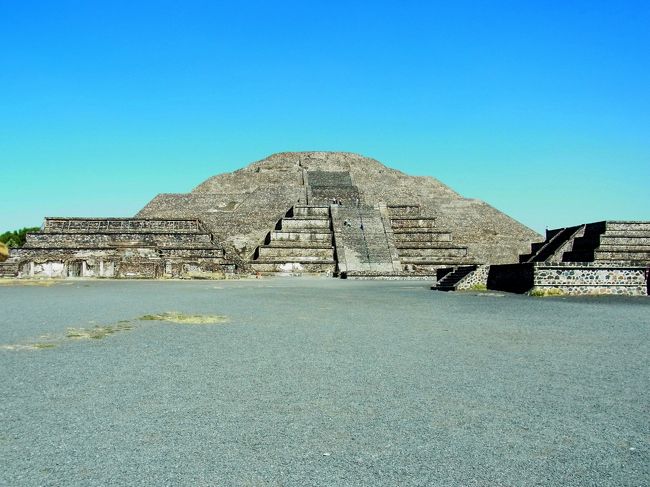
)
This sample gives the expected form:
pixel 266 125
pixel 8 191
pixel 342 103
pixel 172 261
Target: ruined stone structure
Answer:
pixel 340 212
pixel 326 212
pixel 608 257
pixel 119 247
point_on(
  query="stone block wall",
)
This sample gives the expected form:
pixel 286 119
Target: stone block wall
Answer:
pixel 120 248
pixel 478 278
pixel 572 278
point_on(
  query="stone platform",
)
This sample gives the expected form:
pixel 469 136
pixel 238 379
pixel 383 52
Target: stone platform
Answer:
pixel 608 257
pixel 332 213
pixel 120 248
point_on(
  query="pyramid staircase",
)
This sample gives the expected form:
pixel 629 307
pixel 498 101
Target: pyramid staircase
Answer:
pixel 301 242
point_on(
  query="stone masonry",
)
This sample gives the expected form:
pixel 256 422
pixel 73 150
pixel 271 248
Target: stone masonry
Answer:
pixel 247 208
pixel 326 212
pixel 120 247
pixel 608 257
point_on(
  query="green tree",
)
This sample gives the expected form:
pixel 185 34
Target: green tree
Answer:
pixel 16 238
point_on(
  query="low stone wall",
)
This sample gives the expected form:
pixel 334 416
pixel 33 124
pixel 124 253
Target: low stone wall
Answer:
pixel 590 279
pixel 569 278
pixel 477 279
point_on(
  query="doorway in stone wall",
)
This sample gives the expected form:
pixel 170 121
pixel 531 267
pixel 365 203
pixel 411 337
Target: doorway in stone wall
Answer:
pixel 74 268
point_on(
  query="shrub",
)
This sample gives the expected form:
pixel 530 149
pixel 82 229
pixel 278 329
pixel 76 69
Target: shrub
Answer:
pixel 16 238
pixel 546 292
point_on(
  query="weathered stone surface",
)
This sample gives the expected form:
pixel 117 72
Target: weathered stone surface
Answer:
pixel 120 247
pixel 240 208
pixel 326 212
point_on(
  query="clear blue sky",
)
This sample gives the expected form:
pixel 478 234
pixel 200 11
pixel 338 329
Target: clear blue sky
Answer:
pixel 542 109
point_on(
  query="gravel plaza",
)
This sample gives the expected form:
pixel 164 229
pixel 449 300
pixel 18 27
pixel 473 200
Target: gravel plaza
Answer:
pixel 323 382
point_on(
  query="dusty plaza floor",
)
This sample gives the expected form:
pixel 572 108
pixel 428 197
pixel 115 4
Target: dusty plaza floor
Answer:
pixel 320 382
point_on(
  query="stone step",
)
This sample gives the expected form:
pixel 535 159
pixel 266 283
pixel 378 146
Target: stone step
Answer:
pixel 557 240
pixel 296 253
pixel 95 240
pixel 623 248
pixel 205 253
pixel 415 222
pixel 618 255
pixel 293 267
pixel 119 225
pixel 291 224
pixel 587 243
pixel 303 236
pixel 406 240
pixel 433 252
pixel 404 211
pixel 320 218
pixel 437 261
pixel 631 238
pixel 412 231
pixel 310 244
pixel 389 276
pixel 292 258
pixel 425 245
pixel 578 256
pixel 451 280
pixel 627 226
pixel 311 211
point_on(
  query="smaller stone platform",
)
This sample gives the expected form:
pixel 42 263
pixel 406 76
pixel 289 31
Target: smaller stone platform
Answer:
pixel 119 248
pixel 608 257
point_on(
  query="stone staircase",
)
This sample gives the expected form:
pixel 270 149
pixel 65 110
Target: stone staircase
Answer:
pixel 626 242
pixel 556 243
pixel 301 242
pixel 421 245
pixel 362 243
pixel 453 277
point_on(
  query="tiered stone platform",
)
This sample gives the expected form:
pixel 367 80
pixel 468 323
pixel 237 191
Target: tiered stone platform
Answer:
pixel 422 246
pixel 327 212
pixel 608 257
pixel 242 207
pixel 120 247
pixel 301 242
